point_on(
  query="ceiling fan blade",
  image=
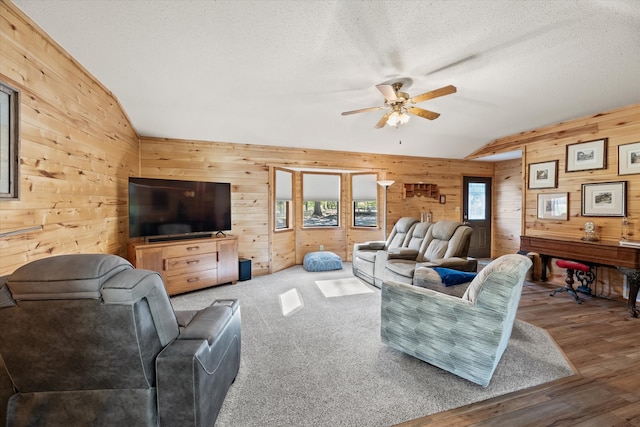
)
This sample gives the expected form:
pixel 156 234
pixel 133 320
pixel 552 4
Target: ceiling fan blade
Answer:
pixel 383 121
pixel 362 110
pixel 388 91
pixel 426 114
pixel 447 90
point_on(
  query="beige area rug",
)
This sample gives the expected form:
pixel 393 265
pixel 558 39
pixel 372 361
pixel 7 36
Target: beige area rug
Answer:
pixel 342 287
pixel 322 363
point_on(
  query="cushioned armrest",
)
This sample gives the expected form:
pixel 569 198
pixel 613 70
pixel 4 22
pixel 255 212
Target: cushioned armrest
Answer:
pixel 449 262
pixel 193 374
pixel 402 253
pixel 369 246
pixel 207 323
pixel 234 304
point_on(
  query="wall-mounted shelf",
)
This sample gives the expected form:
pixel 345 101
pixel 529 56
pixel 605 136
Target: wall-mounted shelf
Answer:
pixel 420 190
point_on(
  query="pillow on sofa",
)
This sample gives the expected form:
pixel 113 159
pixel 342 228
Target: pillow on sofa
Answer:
pixel 452 277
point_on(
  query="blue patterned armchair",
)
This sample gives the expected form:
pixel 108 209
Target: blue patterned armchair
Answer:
pixel 465 336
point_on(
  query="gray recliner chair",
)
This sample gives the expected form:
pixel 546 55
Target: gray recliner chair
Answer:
pixel 466 336
pixel 88 340
pixel 363 260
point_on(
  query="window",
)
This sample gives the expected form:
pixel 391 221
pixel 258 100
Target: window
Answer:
pixel 477 200
pixel 321 200
pixel 283 200
pixel 365 200
pixel 9 163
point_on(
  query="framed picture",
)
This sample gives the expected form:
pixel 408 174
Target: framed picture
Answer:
pixel 543 175
pixel 604 199
pixel 584 156
pixel 553 206
pixel 629 158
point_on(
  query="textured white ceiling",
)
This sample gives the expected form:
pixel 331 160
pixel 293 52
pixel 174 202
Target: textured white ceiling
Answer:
pixel 281 72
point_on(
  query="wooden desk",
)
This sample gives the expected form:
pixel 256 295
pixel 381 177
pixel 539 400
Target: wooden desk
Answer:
pixel 625 259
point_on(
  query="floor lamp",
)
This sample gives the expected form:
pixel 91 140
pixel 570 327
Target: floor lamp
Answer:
pixel 386 184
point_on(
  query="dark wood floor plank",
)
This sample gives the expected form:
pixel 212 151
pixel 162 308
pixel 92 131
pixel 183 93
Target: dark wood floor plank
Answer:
pixel 602 342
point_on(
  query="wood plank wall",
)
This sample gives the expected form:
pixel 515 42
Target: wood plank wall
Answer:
pixel 507 207
pixel 249 169
pixel 620 126
pixel 77 150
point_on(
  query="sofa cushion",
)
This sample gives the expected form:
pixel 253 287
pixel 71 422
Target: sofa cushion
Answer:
pixel 418 235
pixel 367 255
pixel 441 234
pixel 443 230
pixel 401 232
pixel 401 267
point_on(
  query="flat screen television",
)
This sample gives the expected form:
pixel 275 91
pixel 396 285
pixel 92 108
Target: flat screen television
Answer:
pixel 172 209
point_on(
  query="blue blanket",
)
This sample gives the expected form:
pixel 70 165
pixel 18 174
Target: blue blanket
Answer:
pixel 452 277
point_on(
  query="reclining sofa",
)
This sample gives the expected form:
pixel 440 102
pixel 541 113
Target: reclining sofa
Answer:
pixel 414 244
pixel 446 245
pixel 363 260
pixel 87 339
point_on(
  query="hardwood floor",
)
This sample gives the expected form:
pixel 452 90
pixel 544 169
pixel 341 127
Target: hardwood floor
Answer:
pixel 603 343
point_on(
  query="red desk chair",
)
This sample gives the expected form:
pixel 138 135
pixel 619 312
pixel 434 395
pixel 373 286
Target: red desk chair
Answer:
pixel 582 272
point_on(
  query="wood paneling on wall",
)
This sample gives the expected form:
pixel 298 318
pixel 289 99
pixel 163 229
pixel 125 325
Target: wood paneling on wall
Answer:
pixel 620 126
pixel 507 207
pixel 77 150
pixel 246 167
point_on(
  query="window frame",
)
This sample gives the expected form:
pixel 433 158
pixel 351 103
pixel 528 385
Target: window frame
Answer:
pixel 11 152
pixel 354 201
pixel 337 201
pixel 288 203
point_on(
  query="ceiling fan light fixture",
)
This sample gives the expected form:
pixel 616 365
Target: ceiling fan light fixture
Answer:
pixel 401 104
pixel 397 118
pixel 394 119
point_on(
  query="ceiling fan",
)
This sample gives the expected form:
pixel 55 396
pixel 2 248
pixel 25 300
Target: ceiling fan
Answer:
pixel 401 105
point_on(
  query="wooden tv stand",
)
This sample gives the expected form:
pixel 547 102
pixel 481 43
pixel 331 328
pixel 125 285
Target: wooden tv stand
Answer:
pixel 187 265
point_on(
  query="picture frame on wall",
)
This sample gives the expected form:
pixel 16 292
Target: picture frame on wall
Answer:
pixel 629 158
pixel 553 206
pixel 604 199
pixel 543 175
pixel 584 156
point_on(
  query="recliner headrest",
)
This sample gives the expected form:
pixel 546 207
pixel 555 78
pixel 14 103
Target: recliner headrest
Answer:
pixel 404 224
pixel 444 229
pixel 65 276
pixel 420 230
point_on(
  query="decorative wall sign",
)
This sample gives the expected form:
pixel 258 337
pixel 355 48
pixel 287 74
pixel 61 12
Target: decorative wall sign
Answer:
pixel 543 175
pixel 587 155
pixel 553 206
pixel 604 199
pixel 629 158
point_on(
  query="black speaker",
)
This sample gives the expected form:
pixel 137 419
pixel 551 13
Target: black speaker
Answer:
pixel 244 269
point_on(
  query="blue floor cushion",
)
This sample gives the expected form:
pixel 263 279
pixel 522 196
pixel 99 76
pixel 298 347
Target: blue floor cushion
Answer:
pixel 322 261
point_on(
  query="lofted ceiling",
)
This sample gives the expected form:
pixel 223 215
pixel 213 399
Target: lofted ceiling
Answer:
pixel 281 72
